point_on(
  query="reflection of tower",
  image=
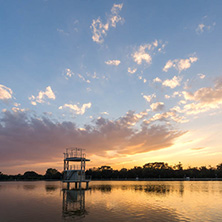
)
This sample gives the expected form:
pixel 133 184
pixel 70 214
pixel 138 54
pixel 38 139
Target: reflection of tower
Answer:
pixel 73 203
pixel 75 173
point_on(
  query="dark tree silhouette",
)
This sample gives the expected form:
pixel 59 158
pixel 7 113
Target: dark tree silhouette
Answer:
pixel 52 174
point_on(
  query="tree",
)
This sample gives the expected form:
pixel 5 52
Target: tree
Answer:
pixel 52 174
pixel 31 175
pixel 219 170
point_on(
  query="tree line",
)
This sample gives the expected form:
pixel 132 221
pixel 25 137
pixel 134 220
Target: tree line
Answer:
pixel 149 170
pixel 50 174
pixel 155 170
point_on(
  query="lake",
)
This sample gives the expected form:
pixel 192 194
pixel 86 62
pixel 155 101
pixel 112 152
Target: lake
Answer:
pixel 112 201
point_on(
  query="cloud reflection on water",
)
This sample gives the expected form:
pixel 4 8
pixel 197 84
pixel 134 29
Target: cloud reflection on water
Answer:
pixel 108 201
pixel 161 189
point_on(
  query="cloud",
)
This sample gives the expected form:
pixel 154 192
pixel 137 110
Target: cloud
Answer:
pixel 204 99
pixel 203 27
pixel 145 51
pixel 115 17
pixel 182 102
pixel 168 65
pixel 69 73
pixel 148 98
pixel 180 64
pixel 143 79
pixel 157 106
pixel 105 113
pixel 166 116
pixel 157 79
pixel 207 95
pixel 142 55
pixel 113 62
pixel 83 78
pixel 131 70
pixel 198 148
pixel 41 140
pixel 196 108
pixel 201 76
pixel 17 109
pixel 162 47
pixel 100 30
pixel 200 28
pixel 5 93
pixel 62 31
pixel 17 104
pixel 78 110
pixel 42 96
pixel 172 83
pixel 176 93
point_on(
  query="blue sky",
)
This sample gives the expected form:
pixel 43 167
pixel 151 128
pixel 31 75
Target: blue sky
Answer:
pixel 130 81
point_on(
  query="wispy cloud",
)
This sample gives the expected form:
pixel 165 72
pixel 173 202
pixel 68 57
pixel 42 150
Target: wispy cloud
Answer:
pixel 200 28
pixel 42 96
pixel 180 64
pixel 69 73
pixel 203 27
pixel 172 83
pixel 5 93
pixel 149 98
pixel 62 31
pixel 100 30
pixel 113 62
pixel 131 70
pixel 78 110
pixel 83 78
pixel 98 76
pixel 198 148
pixel 105 113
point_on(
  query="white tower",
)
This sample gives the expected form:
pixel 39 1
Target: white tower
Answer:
pixel 74 167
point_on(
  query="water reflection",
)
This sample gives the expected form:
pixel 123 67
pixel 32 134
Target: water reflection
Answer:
pixel 110 201
pixel 161 189
pixel 29 186
pixel 51 188
pixel 73 204
pixel 103 188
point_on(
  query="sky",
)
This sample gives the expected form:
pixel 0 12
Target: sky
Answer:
pixel 129 81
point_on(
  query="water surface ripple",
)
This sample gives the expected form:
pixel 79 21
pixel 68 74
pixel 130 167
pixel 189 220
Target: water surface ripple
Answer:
pixel 112 201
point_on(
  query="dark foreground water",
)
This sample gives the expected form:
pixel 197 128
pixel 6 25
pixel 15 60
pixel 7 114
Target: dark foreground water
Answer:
pixel 112 201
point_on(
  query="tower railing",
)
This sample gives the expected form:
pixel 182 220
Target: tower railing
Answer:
pixel 74 152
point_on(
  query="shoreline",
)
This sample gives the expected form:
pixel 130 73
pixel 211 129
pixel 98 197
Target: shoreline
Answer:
pixel 128 179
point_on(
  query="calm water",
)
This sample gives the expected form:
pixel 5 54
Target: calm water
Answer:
pixel 112 201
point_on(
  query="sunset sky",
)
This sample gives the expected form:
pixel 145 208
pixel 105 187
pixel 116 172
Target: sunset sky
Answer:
pixel 130 81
